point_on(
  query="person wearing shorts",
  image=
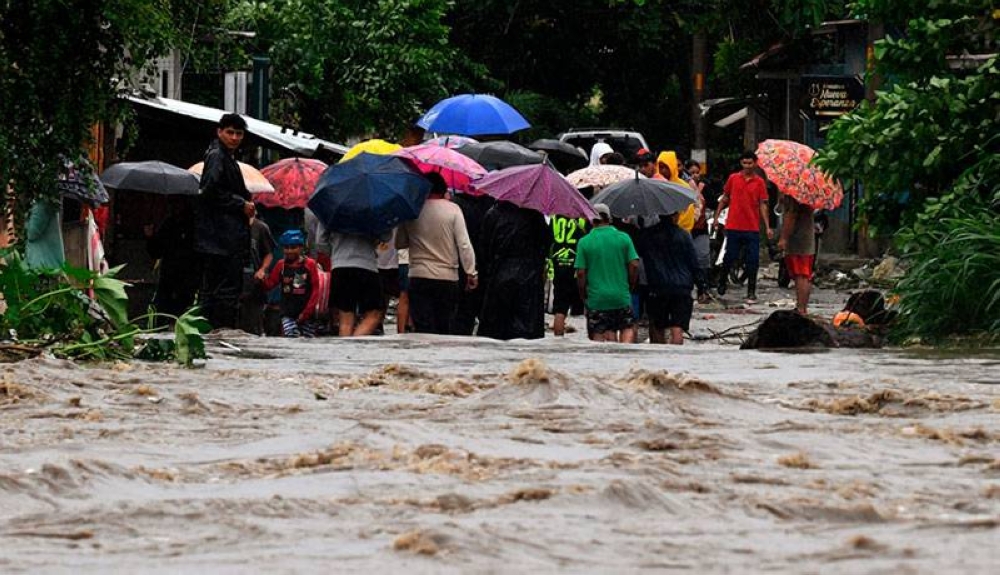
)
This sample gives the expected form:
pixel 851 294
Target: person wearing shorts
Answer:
pixel 607 268
pixel 566 234
pixel 672 270
pixel 355 286
pixel 798 241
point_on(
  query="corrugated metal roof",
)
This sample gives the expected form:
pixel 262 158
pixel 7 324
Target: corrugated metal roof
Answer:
pixel 293 141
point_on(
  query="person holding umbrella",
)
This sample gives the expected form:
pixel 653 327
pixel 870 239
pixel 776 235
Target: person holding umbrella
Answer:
pixel 798 242
pixel 356 288
pixel 222 224
pixel 438 242
pixel 515 242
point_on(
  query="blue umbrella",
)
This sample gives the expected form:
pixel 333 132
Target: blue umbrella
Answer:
pixel 369 194
pixel 473 115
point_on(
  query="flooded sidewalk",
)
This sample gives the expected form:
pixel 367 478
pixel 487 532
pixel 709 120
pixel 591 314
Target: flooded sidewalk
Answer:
pixel 433 454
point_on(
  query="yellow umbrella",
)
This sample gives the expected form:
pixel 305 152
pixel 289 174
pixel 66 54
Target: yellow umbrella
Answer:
pixel 255 181
pixel 380 147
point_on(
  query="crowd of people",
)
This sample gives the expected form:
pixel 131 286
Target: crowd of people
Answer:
pixel 471 265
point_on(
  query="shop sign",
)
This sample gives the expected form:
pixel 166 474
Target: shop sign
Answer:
pixel 829 97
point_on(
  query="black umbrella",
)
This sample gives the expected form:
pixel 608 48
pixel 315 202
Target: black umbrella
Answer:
pixel 79 180
pixel 645 197
pixel 500 155
pixel 565 157
pixel 153 177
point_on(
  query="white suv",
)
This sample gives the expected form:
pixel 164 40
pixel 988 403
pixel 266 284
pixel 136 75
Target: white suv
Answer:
pixel 625 142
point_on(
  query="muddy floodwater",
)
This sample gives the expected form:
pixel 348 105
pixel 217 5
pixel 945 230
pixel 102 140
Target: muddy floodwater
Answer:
pixel 423 454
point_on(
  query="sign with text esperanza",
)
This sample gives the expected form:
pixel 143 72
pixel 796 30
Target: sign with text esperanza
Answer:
pixel 826 98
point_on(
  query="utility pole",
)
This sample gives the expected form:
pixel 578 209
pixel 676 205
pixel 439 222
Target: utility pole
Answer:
pixel 699 67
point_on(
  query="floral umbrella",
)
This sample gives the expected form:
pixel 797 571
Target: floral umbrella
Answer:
pixel 788 165
pixel 294 180
pixel 458 170
pixel 600 176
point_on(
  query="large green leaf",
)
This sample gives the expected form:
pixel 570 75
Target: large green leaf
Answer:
pixel 189 343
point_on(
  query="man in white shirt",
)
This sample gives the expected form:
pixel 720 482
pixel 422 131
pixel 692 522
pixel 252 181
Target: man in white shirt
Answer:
pixel 438 243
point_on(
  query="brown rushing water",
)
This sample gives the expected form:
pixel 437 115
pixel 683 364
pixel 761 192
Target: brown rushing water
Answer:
pixel 423 454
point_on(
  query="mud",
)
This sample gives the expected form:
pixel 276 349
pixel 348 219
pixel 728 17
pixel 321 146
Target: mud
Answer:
pixel 426 454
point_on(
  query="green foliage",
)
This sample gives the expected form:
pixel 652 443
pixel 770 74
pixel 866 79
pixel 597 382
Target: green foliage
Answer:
pixel 41 306
pixel 549 116
pixel 928 154
pixel 930 123
pixel 354 67
pixel 188 340
pixel 62 63
pixel 953 284
pixel 187 345
pixel 53 310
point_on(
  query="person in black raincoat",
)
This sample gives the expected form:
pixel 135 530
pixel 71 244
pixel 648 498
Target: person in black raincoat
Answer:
pixel 470 302
pixel 515 243
pixel 672 271
pixel 222 224
pixel 172 243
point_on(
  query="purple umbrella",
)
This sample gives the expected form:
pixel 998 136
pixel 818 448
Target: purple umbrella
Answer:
pixel 537 187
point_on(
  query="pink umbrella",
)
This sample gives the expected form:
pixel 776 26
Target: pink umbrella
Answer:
pixel 458 170
pixel 538 187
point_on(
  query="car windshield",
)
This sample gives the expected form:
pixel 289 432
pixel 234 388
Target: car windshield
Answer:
pixel 624 145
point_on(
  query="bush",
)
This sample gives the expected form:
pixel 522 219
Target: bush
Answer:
pixel 953 284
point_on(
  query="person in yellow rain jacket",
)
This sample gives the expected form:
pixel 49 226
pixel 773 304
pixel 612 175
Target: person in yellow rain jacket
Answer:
pixel 667 166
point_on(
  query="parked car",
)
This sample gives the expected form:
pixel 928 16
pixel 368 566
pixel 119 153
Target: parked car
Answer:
pixel 625 142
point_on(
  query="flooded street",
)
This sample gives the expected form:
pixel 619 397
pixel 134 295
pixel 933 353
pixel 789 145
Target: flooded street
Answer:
pixel 426 454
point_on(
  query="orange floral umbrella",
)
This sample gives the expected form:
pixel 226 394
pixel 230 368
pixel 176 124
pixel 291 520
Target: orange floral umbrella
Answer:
pixel 788 165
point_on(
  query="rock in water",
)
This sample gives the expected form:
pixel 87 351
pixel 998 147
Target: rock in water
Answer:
pixel 785 329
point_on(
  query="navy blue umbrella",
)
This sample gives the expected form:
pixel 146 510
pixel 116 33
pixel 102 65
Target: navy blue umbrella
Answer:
pixel 473 115
pixel 369 194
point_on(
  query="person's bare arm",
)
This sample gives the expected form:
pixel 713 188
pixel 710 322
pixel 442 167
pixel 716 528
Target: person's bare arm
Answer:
pixel 264 265
pixel 723 203
pixel 581 283
pixel 765 216
pixel 787 225
pixel 633 274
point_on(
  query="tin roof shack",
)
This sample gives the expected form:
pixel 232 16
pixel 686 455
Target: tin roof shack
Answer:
pixel 807 83
pixel 178 133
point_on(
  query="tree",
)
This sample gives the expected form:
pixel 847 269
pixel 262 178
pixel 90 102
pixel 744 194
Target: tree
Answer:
pixel 613 63
pixel 354 67
pixel 62 65
pixel 927 152
pixel 933 121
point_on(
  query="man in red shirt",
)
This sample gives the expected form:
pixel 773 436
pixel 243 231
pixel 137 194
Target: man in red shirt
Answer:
pixel 745 194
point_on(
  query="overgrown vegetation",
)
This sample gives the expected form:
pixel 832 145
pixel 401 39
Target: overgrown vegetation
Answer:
pixel 928 154
pixel 53 311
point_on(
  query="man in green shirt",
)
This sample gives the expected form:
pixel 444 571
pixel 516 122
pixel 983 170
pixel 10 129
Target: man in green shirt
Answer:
pixel 607 267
